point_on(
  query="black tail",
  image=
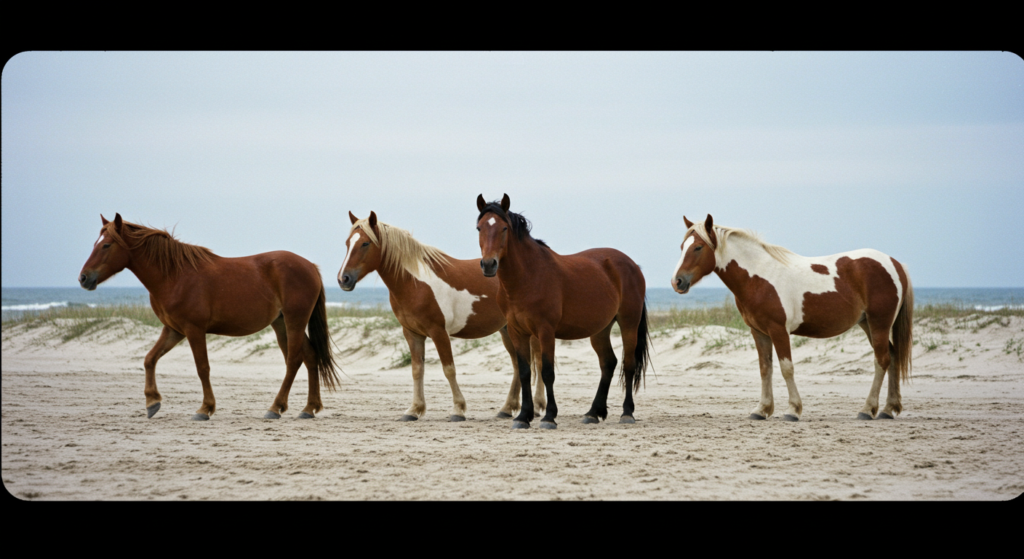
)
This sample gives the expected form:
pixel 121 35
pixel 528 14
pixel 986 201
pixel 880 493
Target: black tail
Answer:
pixel 320 339
pixel 642 353
pixel 643 350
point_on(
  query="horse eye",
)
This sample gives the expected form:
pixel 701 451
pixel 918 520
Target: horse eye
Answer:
pixel 107 245
pixel 366 244
pixel 505 229
pixel 695 249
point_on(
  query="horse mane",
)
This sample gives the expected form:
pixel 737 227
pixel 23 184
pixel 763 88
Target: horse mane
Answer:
pixel 399 249
pixel 521 226
pixel 723 233
pixel 158 246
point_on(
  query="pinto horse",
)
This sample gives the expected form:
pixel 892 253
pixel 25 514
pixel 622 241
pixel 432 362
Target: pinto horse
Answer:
pixel 433 296
pixel 779 293
pixel 195 292
pixel 546 295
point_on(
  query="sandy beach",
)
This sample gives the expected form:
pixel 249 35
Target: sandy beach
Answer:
pixel 75 427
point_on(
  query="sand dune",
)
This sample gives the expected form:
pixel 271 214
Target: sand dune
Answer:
pixel 75 428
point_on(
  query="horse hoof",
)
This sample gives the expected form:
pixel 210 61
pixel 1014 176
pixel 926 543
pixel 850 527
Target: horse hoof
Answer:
pixel 789 417
pixel 863 415
pixel 757 416
pixel 627 419
pixel 548 425
pixel 503 415
pixel 588 419
pixel 408 418
pixel 200 417
pixel 520 425
pixel 884 415
pixel 151 410
pixel 305 415
pixel 271 415
pixel 456 418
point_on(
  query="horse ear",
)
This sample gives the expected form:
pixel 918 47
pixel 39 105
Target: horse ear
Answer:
pixel 688 223
pixel 353 218
pixel 505 203
pixel 118 223
pixel 373 220
pixel 709 226
pixel 480 203
pixel 104 219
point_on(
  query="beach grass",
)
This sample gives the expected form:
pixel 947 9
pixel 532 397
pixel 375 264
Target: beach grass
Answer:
pixel 84 319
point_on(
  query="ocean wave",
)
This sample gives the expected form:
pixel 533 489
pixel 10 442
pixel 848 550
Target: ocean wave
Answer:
pixel 996 307
pixel 44 306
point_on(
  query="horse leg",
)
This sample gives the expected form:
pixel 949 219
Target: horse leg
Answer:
pixel 313 403
pixel 893 403
pixel 871 405
pixel 168 339
pixel 629 372
pixel 540 401
pixel 780 339
pixel 763 342
pixel 197 339
pixel 878 336
pixel 417 343
pixel 444 350
pixel 512 401
pixel 602 344
pixel 547 373
pixel 292 346
pixel 521 343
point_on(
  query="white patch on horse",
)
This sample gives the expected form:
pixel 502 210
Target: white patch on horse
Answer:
pixel 794 279
pixel 686 246
pixel 491 221
pixel 456 305
pixel 351 242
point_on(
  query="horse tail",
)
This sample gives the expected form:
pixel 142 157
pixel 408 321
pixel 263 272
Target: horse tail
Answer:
pixel 642 353
pixel 903 335
pixel 320 339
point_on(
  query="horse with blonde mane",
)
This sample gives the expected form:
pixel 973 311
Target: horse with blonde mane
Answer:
pixel 779 293
pixel 194 292
pixel 433 296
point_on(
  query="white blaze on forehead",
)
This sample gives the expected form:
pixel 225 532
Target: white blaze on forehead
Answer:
pixel 686 245
pixel 491 221
pixel 456 305
pixel 351 243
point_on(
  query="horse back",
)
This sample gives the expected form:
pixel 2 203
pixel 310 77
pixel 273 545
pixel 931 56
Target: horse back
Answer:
pixel 596 286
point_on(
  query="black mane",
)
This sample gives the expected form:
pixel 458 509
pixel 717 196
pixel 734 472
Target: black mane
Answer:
pixel 519 224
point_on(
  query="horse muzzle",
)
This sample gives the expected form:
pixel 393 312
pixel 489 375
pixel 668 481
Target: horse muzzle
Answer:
pixel 489 266
pixel 347 282
pixel 88 280
pixel 682 283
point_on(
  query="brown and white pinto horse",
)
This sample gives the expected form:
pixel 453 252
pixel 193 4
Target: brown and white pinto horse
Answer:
pixel 545 296
pixel 781 293
pixel 194 292
pixel 433 296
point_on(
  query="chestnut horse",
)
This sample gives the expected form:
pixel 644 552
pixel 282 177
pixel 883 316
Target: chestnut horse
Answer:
pixel 546 295
pixel 432 295
pixel 194 292
pixel 781 293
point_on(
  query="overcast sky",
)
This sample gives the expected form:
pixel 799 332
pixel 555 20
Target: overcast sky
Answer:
pixel 919 155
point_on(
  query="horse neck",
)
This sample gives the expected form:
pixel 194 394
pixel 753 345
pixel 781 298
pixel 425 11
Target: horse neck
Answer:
pixel 513 270
pixel 148 272
pixel 397 279
pixel 748 255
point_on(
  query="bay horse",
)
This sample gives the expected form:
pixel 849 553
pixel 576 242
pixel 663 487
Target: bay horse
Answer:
pixel 546 295
pixel 779 293
pixel 433 296
pixel 194 292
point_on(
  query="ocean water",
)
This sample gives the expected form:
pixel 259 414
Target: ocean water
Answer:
pixel 17 300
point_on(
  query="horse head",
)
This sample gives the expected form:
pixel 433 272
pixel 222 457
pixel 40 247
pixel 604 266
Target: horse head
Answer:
pixel 493 226
pixel 109 255
pixel 363 254
pixel 698 258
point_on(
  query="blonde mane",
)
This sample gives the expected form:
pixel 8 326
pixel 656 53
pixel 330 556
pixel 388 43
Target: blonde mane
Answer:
pixel 398 249
pixel 723 233
pixel 158 246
